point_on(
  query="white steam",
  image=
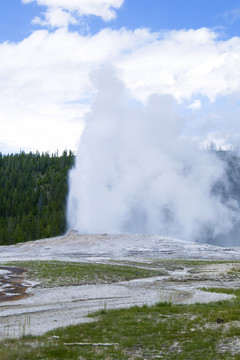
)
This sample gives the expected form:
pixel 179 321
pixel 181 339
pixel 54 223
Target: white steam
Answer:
pixel 136 173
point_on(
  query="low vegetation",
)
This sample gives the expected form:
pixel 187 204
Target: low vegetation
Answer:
pixel 164 331
pixel 59 273
pixel 173 264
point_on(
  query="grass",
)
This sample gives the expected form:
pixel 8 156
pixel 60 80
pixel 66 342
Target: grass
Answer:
pixel 235 270
pixel 222 290
pixel 164 331
pixel 173 264
pixel 59 273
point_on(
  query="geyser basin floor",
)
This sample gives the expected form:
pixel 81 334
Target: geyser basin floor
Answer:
pixel 12 284
pixel 56 306
pixel 53 307
pixel 76 247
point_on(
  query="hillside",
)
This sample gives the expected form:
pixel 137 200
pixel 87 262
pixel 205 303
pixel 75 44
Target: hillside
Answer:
pixel 33 191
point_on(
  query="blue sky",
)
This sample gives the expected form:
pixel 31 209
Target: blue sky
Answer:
pixel 15 20
pixel 175 14
pixel 188 48
pixel 15 17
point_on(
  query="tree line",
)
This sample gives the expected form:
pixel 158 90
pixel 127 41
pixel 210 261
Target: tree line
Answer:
pixel 33 192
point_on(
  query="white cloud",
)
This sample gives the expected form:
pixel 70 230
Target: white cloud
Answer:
pixel 63 12
pixel 45 85
pixel 184 63
pixel 45 82
pixel 232 15
pixel 55 18
pixel 195 105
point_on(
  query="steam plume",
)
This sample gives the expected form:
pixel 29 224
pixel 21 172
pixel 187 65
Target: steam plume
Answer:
pixel 136 173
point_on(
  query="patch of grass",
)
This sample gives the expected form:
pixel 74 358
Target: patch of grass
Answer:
pixel 235 270
pixel 162 331
pixel 222 290
pixel 175 264
pixel 167 331
pixel 59 273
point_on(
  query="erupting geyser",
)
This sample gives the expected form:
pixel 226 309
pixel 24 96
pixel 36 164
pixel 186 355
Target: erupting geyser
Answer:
pixel 135 172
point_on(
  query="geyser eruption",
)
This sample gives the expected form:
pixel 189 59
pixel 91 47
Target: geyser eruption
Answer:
pixel 135 172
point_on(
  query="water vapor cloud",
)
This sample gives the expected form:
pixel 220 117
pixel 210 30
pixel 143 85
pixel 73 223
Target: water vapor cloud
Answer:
pixel 135 172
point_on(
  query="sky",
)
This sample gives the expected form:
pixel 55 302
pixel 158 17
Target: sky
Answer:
pixel 50 49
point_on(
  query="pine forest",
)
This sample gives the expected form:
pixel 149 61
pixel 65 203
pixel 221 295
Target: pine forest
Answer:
pixel 33 192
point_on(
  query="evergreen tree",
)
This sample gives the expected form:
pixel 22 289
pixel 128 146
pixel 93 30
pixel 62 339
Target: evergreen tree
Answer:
pixel 33 191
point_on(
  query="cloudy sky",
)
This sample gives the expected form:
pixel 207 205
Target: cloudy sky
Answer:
pixel 49 50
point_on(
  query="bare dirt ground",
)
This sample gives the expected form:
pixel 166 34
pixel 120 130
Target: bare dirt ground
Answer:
pixel 49 308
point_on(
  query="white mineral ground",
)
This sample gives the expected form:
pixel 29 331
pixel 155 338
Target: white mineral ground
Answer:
pixel 49 308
